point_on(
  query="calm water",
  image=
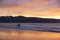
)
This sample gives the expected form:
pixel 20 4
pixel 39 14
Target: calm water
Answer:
pixel 27 31
pixel 32 26
pixel 12 34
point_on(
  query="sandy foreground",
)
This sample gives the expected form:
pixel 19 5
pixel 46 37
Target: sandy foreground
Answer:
pixel 13 34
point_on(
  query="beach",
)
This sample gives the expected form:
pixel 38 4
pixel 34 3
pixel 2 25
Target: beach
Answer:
pixel 14 34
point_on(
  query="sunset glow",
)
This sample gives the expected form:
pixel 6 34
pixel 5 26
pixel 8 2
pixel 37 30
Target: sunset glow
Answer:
pixel 30 8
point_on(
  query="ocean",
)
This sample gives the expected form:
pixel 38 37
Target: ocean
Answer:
pixel 32 26
pixel 30 31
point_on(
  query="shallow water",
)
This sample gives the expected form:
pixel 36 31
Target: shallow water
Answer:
pixel 32 26
pixel 30 31
pixel 13 34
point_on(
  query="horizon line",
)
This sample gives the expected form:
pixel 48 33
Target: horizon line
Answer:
pixel 33 16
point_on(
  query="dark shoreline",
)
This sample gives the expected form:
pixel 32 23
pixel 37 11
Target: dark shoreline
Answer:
pixel 22 19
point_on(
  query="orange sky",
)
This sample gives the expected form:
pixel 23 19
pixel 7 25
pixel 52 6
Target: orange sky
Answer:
pixel 31 8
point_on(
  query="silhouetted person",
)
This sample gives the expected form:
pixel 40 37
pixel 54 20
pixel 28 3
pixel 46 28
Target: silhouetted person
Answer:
pixel 18 25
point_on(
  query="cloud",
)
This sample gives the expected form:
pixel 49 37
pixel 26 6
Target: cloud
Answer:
pixel 58 2
pixel 30 3
pixel 4 3
pixel 39 8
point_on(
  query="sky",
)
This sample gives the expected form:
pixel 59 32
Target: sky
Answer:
pixel 30 8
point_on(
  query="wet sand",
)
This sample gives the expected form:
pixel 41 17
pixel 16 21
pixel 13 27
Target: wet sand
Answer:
pixel 13 34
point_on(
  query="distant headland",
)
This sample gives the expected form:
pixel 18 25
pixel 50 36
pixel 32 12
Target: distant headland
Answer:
pixel 22 19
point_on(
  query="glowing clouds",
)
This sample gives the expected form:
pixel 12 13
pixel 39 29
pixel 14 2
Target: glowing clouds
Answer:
pixel 30 8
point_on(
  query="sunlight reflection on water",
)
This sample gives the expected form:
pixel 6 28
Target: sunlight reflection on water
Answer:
pixel 12 34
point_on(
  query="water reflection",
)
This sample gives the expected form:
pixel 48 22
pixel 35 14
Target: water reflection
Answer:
pixel 12 34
